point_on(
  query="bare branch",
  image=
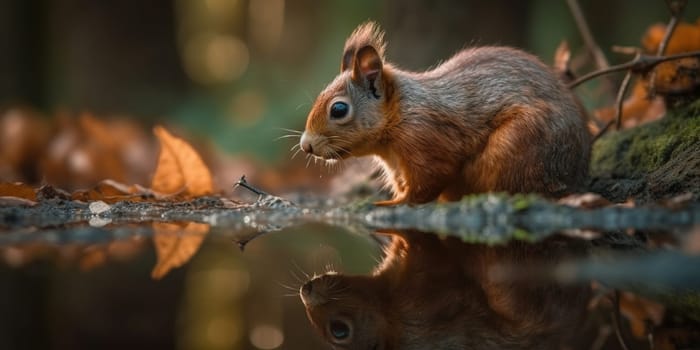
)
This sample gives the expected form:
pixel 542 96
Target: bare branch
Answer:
pixel 616 320
pixel 641 64
pixel 620 98
pixel 676 7
pixel 603 130
pixel 598 56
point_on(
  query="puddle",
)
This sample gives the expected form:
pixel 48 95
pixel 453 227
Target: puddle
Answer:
pixel 213 274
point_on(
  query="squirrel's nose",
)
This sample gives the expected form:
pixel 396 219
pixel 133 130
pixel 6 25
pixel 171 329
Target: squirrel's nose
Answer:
pixel 305 144
pixel 306 288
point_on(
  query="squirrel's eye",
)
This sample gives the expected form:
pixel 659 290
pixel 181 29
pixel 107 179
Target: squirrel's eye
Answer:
pixel 339 330
pixel 339 110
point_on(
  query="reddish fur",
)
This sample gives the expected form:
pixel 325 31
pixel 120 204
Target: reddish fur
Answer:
pixel 317 123
pixel 443 293
pixel 528 135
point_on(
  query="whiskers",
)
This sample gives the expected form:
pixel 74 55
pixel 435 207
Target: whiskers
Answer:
pixel 293 291
pixel 335 149
pixel 332 287
pixel 300 278
pixel 295 149
pixel 291 133
pixel 303 104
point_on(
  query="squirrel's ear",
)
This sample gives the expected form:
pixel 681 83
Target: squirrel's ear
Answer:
pixel 346 63
pixel 367 68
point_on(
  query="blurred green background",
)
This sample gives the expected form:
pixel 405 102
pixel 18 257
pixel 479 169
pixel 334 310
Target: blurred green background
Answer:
pixel 237 71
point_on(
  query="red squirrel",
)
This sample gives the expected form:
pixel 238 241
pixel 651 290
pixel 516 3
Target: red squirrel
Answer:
pixel 487 119
pixel 433 293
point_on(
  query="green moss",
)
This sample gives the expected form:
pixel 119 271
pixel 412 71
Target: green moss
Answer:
pixel 691 304
pixel 639 151
pixel 687 304
pixel 523 235
pixel 524 201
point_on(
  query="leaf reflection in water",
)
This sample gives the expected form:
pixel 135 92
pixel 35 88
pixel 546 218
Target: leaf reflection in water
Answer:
pixel 442 293
pixel 175 244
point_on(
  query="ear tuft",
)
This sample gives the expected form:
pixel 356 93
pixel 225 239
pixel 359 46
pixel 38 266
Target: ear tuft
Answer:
pixel 366 34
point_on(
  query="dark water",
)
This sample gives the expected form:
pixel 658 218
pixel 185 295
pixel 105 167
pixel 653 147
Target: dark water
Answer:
pixel 133 283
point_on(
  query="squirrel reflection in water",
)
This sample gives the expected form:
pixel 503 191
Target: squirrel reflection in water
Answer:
pixel 442 293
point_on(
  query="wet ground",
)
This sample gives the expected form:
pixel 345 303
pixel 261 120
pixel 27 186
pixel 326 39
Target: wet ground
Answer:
pixel 215 273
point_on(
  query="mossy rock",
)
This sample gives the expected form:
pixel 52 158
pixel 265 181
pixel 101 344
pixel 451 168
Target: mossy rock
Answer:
pixel 654 161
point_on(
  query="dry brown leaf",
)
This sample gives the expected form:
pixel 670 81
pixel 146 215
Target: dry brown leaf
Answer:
pixel 17 189
pixel 673 77
pixel 24 136
pixel 679 75
pixel 637 109
pixel 175 245
pixel 81 153
pixel 686 38
pixel 639 311
pixel 585 200
pixel 562 62
pixel 180 169
pixel 111 191
pixel 16 201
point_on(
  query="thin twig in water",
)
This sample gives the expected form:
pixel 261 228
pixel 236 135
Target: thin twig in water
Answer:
pixel 617 321
pixel 243 183
pixel 676 8
pixel 650 334
pixel 601 338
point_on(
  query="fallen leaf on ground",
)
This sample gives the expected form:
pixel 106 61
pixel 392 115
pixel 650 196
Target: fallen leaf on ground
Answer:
pixel 671 78
pixel 24 135
pixel 585 200
pixel 111 191
pixel 637 109
pixel 175 245
pixel 49 192
pixel 17 189
pixel 180 169
pixel 681 75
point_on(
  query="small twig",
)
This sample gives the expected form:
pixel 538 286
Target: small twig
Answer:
pixel 243 183
pixel 676 8
pixel 617 321
pixel 650 334
pixel 601 338
pixel 243 242
pixel 594 50
pixel 620 99
pixel 598 56
pixel 639 64
pixel 603 130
